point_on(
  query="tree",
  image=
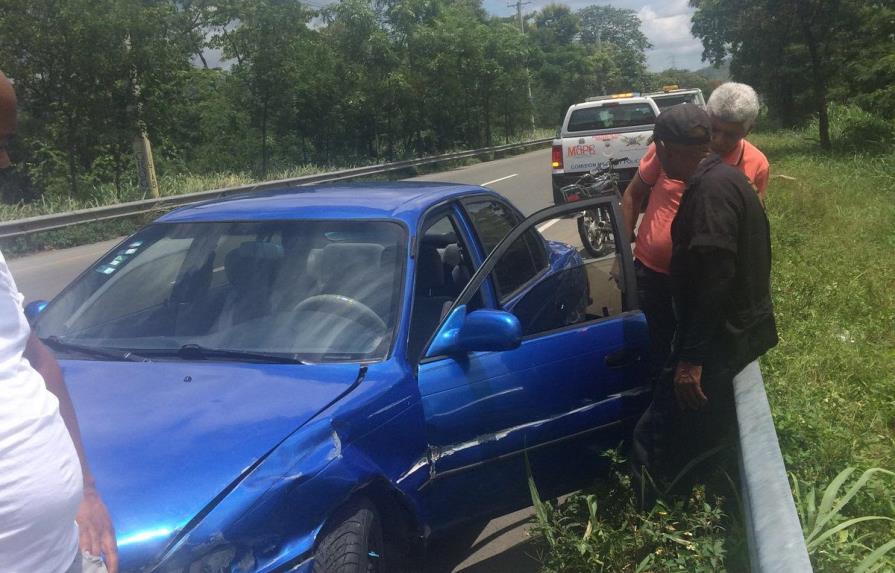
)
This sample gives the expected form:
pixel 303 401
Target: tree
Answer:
pixel 267 39
pixel 86 71
pixel 618 31
pixel 773 43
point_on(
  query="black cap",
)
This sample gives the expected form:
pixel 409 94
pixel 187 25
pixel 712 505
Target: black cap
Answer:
pixel 684 123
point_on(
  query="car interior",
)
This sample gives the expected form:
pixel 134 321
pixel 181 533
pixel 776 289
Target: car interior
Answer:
pixel 443 269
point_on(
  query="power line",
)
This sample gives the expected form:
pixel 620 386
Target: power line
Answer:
pixel 519 4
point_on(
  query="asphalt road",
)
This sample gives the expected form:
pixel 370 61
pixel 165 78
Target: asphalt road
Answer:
pixel 501 546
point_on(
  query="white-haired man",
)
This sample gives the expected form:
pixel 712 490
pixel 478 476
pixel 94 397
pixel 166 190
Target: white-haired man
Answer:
pixel 733 109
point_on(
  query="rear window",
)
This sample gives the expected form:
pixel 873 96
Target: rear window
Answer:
pixel 611 116
pixel 665 102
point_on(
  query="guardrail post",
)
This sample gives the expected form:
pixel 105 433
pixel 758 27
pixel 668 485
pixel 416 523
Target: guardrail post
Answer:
pixel 776 542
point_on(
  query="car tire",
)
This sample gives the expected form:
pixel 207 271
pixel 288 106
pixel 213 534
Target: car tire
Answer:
pixel 354 544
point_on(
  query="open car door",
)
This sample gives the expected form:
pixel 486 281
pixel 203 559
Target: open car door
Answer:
pixel 542 357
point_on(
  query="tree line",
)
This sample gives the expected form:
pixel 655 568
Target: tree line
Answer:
pixel 348 82
pixel 262 85
pixel 801 55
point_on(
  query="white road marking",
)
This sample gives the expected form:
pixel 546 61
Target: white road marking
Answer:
pixel 546 225
pixel 497 180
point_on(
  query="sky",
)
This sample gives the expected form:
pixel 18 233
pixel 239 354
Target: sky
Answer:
pixel 666 25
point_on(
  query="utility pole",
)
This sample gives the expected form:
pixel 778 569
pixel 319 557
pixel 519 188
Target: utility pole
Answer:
pixel 519 4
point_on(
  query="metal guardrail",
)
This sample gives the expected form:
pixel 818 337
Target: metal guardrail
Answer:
pixel 22 227
pixel 776 542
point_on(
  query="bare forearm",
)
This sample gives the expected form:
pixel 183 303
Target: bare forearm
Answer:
pixel 42 360
pixel 631 201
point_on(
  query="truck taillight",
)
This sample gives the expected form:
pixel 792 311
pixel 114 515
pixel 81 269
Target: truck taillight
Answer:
pixel 557 157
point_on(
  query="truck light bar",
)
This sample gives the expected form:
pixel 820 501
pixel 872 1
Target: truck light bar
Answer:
pixel 614 96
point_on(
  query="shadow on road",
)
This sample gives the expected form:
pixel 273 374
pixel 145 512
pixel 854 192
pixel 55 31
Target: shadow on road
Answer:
pixel 500 546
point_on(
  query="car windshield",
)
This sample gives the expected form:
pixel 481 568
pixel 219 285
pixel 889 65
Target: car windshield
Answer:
pixel 610 116
pixel 314 290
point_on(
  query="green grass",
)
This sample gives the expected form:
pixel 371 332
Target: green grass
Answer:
pixel 830 381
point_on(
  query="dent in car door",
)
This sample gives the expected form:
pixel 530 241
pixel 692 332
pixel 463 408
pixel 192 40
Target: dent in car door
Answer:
pixel 572 388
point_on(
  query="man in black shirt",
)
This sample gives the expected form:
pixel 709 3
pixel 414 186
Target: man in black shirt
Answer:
pixel 720 276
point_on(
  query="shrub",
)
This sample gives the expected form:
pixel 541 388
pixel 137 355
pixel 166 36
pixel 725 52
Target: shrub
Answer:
pixel 853 129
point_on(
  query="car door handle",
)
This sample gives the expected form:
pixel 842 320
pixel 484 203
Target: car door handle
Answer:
pixel 623 357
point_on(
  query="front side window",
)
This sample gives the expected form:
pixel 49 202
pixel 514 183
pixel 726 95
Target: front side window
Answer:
pixel 611 115
pixel 314 290
pixel 527 256
pixel 584 282
pixel 443 268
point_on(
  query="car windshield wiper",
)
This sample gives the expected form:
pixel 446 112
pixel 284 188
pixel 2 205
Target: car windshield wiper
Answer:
pixel 113 353
pixel 197 352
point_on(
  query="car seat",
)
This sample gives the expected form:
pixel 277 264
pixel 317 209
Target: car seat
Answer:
pixel 251 269
pixel 428 302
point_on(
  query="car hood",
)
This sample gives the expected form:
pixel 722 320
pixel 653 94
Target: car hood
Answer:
pixel 165 438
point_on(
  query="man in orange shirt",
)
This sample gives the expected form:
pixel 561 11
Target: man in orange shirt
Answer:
pixel 733 109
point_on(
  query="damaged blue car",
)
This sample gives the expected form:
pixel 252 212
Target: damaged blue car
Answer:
pixel 323 378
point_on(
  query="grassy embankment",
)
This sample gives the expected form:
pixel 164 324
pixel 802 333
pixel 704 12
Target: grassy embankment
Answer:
pixel 174 184
pixel 830 382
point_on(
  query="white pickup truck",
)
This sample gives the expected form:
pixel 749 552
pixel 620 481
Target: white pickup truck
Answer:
pixel 673 95
pixel 599 129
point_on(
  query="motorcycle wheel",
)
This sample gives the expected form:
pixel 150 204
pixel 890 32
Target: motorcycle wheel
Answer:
pixel 595 230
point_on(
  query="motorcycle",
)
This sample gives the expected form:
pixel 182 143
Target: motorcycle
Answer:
pixel 595 225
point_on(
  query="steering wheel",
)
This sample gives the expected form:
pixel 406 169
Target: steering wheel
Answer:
pixel 342 306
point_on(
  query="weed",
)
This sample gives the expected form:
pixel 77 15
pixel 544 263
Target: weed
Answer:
pixel 605 531
pixel 833 538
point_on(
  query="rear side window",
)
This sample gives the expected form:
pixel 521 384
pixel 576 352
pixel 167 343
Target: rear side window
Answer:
pixel 611 116
pixel 525 259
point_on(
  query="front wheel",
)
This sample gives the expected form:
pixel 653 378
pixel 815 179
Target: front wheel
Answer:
pixel 354 544
pixel 595 230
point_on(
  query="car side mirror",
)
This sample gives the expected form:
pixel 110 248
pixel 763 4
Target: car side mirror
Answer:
pixel 33 309
pixel 480 330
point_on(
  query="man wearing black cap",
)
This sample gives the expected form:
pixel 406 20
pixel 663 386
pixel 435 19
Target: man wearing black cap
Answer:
pixel 720 282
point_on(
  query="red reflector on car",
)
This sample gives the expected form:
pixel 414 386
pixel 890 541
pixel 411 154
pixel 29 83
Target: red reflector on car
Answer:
pixel 556 159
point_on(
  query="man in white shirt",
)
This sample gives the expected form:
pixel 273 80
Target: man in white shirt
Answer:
pixel 49 505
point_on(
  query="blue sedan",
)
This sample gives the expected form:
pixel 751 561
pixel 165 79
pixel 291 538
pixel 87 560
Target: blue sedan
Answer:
pixel 322 378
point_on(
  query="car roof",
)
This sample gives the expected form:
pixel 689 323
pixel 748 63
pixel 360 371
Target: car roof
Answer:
pixel 674 92
pixel 405 200
pixel 613 101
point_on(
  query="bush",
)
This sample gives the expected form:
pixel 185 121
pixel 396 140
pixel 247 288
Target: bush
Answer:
pixel 853 129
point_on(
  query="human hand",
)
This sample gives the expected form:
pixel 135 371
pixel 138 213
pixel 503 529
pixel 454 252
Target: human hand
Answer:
pixel 615 273
pixel 688 386
pixel 97 536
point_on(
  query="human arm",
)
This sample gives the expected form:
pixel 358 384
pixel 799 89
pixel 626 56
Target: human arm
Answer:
pixel 97 536
pixel 712 273
pixel 761 182
pixel 631 201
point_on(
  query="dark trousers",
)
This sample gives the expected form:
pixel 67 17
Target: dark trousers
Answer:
pixel 654 292
pixel 667 437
